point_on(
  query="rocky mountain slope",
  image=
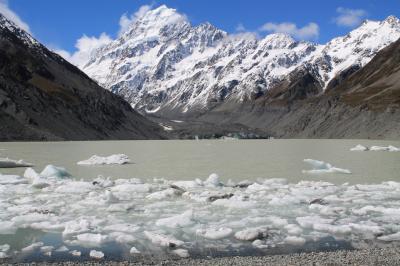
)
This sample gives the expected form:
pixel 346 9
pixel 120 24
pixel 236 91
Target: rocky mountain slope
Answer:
pixel 164 66
pixel 364 103
pixel 43 97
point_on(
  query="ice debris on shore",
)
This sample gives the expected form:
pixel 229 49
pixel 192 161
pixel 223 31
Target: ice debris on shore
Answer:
pixel 176 216
pixel 321 167
pixel 108 160
pixel 9 163
pixel 389 148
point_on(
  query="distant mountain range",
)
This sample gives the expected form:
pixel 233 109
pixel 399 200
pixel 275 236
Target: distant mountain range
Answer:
pixel 202 81
pixel 43 97
pixel 168 69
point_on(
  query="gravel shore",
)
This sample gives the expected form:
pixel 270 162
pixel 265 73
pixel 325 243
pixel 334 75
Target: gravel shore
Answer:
pixel 387 256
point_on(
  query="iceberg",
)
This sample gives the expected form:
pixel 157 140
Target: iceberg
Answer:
pixel 55 172
pixel 112 159
pixel 96 254
pixel 163 240
pixel 359 148
pixel 8 163
pixel 214 233
pixel 321 167
pixel 385 148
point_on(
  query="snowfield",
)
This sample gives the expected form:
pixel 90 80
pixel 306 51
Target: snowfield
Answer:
pixel 177 217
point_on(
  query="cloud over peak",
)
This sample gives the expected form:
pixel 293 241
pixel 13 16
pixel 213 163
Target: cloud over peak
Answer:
pixel 349 17
pixel 11 15
pixel 308 32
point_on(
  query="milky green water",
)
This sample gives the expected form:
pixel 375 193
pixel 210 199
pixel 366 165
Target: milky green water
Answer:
pixel 230 159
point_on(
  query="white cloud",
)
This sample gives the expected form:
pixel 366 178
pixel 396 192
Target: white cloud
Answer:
pixel 125 21
pixel 85 46
pixel 349 17
pixel 11 15
pixel 308 32
pixel 240 28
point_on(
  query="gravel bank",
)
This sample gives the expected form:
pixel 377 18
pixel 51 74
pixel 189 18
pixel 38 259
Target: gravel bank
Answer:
pixel 387 256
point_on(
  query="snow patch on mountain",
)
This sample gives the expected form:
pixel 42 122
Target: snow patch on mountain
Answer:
pixel 162 63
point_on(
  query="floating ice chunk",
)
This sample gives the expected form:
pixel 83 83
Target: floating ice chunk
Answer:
pixel 234 203
pixel 62 249
pixel 3 251
pixel 213 180
pixel 359 148
pixel 12 180
pixel 112 159
pixel 4 248
pixel 294 240
pixel 392 237
pixel 126 228
pixel 134 250
pixel 385 148
pixel 75 253
pixel 333 229
pixel 96 254
pixel 320 167
pixel 91 239
pixel 163 194
pixel 163 240
pixel 183 253
pixel 8 163
pixel 293 229
pixel 32 247
pixel 141 188
pixel 251 234
pixel 181 220
pixel 393 148
pixel 54 171
pixel 75 187
pixel 121 237
pixel 188 184
pixel 110 197
pixel 46 250
pixel 214 233
pixel 7 228
pixel 76 227
pixel 103 182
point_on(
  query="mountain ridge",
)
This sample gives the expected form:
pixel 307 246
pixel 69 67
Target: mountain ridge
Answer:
pixel 179 71
pixel 44 97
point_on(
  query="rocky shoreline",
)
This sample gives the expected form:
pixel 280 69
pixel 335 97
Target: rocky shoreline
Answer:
pixel 385 256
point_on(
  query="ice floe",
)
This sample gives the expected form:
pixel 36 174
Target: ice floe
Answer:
pixel 177 216
pixel 321 167
pixel 359 147
pixel 96 254
pixel 385 148
pixel 107 160
pixel 389 148
pixel 214 233
pixel 9 163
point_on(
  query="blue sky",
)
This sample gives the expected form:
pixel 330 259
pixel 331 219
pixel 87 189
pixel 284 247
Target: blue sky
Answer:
pixel 60 23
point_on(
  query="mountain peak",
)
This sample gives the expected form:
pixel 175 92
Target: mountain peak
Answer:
pixel 151 21
pixel 392 20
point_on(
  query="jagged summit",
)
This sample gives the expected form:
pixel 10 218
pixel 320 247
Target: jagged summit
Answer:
pixel 163 63
pixel 393 20
pixel 5 23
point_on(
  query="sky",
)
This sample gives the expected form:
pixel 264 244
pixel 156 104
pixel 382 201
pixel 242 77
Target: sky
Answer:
pixel 71 27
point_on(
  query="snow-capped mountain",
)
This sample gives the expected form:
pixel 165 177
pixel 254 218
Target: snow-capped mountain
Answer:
pixel 162 64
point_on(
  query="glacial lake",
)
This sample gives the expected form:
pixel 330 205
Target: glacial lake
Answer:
pixel 259 205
